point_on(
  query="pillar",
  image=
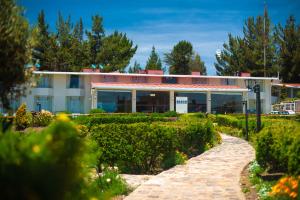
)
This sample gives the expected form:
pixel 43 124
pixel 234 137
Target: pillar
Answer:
pixel 172 100
pixel 208 102
pixel 133 101
pixel 94 98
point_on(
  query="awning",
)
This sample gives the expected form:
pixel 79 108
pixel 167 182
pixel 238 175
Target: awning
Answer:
pixel 167 87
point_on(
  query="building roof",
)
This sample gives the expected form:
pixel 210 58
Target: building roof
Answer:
pixel 167 87
pixel 154 75
pixel 289 85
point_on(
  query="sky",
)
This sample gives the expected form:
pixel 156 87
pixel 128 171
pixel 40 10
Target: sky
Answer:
pixel 163 23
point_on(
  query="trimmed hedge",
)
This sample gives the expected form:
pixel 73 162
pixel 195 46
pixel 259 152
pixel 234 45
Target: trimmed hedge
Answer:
pixel 278 146
pixel 147 148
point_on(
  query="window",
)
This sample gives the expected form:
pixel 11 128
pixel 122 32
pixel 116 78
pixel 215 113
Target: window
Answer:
pixel 196 101
pixel 152 101
pixel 227 81
pixel 200 81
pixel 114 101
pixel 45 81
pixel 251 84
pixel 14 105
pixel 226 103
pixel 74 104
pixel 110 79
pixel 43 103
pixel 74 81
pixel 139 79
pixel 169 80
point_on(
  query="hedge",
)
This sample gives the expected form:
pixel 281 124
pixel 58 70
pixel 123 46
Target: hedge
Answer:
pixel 147 148
pixel 278 146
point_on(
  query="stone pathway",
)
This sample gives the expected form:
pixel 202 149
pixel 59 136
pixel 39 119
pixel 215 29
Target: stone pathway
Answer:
pixel 214 174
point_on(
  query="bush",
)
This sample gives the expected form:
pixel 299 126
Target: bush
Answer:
pixel 42 118
pixel 5 123
pixel 23 118
pixel 278 147
pixel 53 164
pixel 97 110
pixel 144 147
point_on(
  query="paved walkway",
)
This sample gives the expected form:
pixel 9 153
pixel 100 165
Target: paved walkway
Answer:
pixel 214 174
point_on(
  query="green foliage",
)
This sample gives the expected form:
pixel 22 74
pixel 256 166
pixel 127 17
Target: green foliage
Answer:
pixel 154 62
pixel 13 51
pixel 288 40
pixel 244 54
pixel 43 118
pixel 197 65
pixel 5 123
pixel 53 164
pixel 146 148
pixel 179 58
pixel 23 118
pixel 277 146
pixel 116 52
pixel 97 110
pixel 135 68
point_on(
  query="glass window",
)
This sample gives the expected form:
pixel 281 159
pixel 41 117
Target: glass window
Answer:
pixel 169 80
pixel 74 104
pixel 114 101
pixel 45 81
pixel 152 101
pixel 139 79
pixel 200 81
pixel 110 79
pixel 43 103
pixel 226 103
pixel 196 101
pixel 227 81
pixel 251 84
pixel 74 81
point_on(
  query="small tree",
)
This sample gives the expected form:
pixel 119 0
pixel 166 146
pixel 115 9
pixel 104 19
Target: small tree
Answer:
pixel 135 68
pixel 13 51
pixel 23 118
pixel 197 65
pixel 154 61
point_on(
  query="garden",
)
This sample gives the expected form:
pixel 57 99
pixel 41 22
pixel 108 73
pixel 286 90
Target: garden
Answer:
pixel 43 156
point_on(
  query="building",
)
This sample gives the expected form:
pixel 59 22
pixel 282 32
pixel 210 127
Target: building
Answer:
pixel 148 91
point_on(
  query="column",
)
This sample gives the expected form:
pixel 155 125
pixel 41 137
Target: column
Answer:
pixel 208 102
pixel 172 100
pixel 245 98
pixel 94 98
pixel 133 101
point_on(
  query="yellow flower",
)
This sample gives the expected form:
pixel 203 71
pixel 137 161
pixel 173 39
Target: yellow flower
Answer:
pixel 93 198
pixel 63 117
pixel 36 149
pixel 293 195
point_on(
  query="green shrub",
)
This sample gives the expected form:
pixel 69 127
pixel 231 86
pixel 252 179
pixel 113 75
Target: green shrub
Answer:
pixel 53 164
pixel 6 123
pixel 23 118
pixel 145 147
pixel 42 118
pixel 97 110
pixel 227 120
pixel 277 146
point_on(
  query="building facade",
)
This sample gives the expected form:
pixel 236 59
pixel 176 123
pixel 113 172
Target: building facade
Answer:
pixel 149 91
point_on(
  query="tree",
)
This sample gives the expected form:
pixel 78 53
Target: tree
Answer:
pixel 154 61
pixel 13 40
pixel 135 68
pixel 232 58
pixel 288 41
pixel 116 52
pixel 178 59
pixel 197 65
pixel 95 38
pixel 42 44
pixel 247 53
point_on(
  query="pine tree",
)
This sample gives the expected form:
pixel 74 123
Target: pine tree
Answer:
pixel 116 52
pixel 95 38
pixel 154 62
pixel 135 68
pixel 288 41
pixel 197 65
pixel 13 51
pixel 178 59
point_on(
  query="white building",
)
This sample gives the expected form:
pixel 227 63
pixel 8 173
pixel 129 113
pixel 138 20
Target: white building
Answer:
pixel 148 91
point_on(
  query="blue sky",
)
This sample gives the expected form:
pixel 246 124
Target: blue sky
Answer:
pixel 162 23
